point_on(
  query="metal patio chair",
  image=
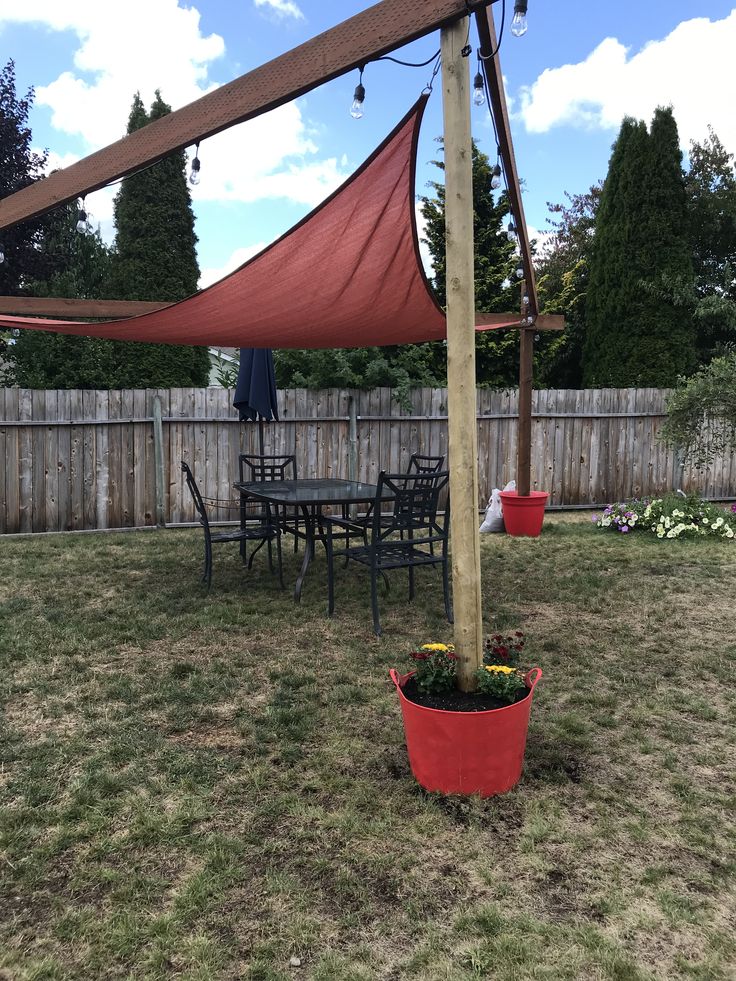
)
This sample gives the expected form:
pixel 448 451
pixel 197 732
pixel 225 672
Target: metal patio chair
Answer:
pixel 256 525
pixel 257 467
pixel 404 539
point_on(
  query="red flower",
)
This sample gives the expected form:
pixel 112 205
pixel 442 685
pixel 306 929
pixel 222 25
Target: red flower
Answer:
pixel 420 655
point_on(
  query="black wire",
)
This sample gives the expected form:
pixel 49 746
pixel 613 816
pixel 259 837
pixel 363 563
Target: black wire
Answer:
pixel 500 35
pixel 408 64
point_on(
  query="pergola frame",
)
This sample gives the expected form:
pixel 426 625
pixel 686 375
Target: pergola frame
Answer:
pixel 382 28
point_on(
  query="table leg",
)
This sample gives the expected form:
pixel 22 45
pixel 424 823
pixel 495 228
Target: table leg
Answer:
pixel 309 520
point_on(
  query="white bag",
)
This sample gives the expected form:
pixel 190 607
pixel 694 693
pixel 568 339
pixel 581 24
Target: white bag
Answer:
pixel 493 521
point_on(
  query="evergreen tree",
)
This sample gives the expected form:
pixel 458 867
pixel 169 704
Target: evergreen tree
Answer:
pixel 19 167
pixel 562 279
pixel 497 352
pixel 711 192
pixel 45 360
pixel 155 259
pixel 640 329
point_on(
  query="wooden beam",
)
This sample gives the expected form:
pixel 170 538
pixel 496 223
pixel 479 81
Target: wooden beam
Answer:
pixel 66 308
pixel 524 432
pixel 544 321
pixel 360 39
pixel 461 397
pixel 489 44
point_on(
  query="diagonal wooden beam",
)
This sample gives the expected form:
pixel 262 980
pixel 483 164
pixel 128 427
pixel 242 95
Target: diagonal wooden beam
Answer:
pixel 489 45
pixel 382 28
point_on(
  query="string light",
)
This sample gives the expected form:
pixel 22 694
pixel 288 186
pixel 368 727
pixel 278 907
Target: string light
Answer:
pixel 519 272
pixel 479 96
pixel 356 108
pixel 519 23
pixel 511 232
pixel 496 177
pixel 194 173
pixel 2 254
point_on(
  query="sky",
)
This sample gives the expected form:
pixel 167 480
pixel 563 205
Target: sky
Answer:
pixel 581 67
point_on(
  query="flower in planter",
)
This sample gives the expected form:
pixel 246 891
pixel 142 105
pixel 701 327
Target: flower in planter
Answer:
pixel 500 680
pixel 500 649
pixel 435 667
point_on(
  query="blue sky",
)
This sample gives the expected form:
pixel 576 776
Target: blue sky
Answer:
pixel 570 80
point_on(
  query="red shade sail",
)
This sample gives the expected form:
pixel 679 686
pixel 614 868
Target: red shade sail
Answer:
pixel 348 275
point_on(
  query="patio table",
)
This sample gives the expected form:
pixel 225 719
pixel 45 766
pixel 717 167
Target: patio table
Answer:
pixel 310 496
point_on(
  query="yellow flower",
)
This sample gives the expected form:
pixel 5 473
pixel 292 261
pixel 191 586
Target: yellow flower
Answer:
pixel 435 647
pixel 500 669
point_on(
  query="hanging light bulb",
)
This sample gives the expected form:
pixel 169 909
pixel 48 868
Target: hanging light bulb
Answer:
pixel 519 272
pixel 2 255
pixel 496 177
pixel 479 95
pixel 356 108
pixel 511 232
pixel 518 24
pixel 194 173
pixel 82 226
pixel 525 300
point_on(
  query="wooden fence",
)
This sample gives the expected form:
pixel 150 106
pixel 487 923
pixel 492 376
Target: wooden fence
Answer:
pixel 72 460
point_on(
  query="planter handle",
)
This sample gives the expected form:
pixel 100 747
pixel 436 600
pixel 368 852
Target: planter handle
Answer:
pixel 530 681
pixel 394 676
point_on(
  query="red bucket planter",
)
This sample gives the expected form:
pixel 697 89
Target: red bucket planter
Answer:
pixel 523 516
pixel 466 752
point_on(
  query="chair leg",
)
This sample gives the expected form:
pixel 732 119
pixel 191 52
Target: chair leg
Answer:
pixel 374 601
pixel 278 557
pixel 330 575
pixel 207 577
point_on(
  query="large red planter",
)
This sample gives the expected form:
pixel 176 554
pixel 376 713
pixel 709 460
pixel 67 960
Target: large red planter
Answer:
pixel 466 752
pixel 523 516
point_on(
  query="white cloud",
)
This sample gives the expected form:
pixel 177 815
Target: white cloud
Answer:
pixel 212 274
pixel 270 156
pixel 690 69
pixel 282 8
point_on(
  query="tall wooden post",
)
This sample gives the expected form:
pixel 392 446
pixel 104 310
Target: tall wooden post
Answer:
pixel 461 398
pixel 526 371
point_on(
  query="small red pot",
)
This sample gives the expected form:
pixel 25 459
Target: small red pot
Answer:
pixel 466 752
pixel 523 516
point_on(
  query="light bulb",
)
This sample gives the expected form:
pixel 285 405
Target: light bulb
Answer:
pixel 496 177
pixel 511 233
pixel 356 109
pixel 2 255
pixel 526 300
pixel 519 272
pixel 518 24
pixel 194 175
pixel 82 222
pixel 479 96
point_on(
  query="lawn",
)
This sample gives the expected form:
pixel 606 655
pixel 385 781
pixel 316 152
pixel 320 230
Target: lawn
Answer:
pixel 206 786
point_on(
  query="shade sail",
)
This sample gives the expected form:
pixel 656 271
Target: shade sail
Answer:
pixel 347 275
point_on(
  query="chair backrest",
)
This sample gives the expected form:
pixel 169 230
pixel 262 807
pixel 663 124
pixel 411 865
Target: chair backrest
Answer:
pixel 418 463
pixel 254 467
pixel 196 496
pixel 414 505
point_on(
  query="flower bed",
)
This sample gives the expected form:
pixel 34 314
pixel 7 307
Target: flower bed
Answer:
pixel 670 517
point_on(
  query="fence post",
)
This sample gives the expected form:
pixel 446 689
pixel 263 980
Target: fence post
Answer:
pixel 352 446
pixel 158 459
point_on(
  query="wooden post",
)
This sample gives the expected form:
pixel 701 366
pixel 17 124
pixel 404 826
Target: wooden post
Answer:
pixel 353 447
pixel 461 397
pixel 526 371
pixel 158 461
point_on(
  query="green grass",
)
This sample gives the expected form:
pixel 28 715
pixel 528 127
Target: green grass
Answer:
pixel 203 786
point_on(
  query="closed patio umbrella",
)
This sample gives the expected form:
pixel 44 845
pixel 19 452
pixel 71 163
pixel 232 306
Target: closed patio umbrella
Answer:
pixel 255 391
